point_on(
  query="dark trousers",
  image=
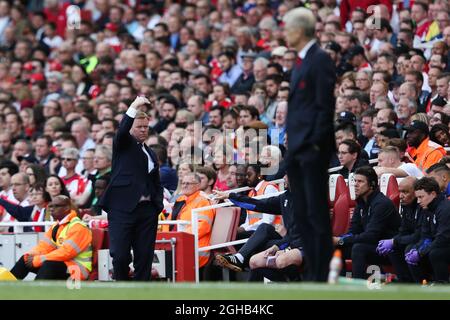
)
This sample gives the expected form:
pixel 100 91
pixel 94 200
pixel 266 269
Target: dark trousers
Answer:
pixel 50 270
pixel 133 230
pixel 242 235
pixel 363 255
pixel 308 180
pixel 397 258
pixel 263 238
pixel 421 271
pixel 290 273
pixel 440 261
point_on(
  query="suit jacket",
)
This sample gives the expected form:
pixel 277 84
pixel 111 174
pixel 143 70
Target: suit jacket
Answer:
pixel 129 175
pixel 311 104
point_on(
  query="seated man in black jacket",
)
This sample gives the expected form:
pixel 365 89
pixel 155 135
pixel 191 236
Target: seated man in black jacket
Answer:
pixel 433 248
pixel 374 218
pixel 409 232
pixel 266 241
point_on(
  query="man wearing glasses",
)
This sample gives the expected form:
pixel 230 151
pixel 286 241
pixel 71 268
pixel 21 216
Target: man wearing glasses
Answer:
pixel 191 198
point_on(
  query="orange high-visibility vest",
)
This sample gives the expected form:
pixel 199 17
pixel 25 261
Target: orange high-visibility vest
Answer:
pixel 73 246
pixel 205 221
pixel 254 216
pixel 427 154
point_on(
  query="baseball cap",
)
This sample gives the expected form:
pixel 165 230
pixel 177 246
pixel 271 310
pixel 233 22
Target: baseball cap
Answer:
pixel 346 116
pixel 439 101
pixel 28 158
pixel 55 66
pixel 111 27
pixel 28 66
pixel 417 125
pixel 70 153
pixel 35 77
pixel 279 51
pixel 248 54
pixel 354 51
pixel 334 46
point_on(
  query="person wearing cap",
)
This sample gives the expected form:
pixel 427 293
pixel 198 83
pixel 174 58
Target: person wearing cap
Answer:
pixel 357 58
pixel 111 38
pixel 246 80
pixel 310 139
pixel 421 149
pixel 25 160
pixel 277 54
pixel 79 187
pixel 346 116
pixel 334 50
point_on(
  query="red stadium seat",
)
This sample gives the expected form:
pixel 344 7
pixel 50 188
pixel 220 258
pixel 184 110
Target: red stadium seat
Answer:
pixel 341 215
pixel 389 187
pixel 337 187
pixel 224 228
pixel 98 237
pixel 351 189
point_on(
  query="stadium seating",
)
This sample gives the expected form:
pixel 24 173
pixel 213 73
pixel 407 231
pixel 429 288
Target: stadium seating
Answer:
pixel 337 187
pixel 98 243
pixel 226 223
pixel 339 199
pixel 389 187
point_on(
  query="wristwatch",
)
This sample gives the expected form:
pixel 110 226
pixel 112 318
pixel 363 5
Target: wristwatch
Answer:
pixel 340 242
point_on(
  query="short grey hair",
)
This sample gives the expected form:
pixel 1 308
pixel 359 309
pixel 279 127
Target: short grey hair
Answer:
pixel 301 18
pixel 105 150
pixel 262 61
pixel 412 104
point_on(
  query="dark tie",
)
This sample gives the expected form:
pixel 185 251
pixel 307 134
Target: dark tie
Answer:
pixel 298 62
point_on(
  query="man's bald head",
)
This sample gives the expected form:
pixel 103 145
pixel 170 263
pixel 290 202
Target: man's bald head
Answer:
pixel 406 188
pixel 60 207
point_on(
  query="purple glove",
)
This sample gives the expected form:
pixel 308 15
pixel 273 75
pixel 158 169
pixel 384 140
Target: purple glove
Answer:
pixel 385 246
pixel 412 257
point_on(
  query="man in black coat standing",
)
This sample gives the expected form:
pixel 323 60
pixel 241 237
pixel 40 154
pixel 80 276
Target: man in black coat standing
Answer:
pixel 134 196
pixel 310 140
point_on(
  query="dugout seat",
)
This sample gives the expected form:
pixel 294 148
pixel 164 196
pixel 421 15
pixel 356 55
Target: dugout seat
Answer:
pixel 389 187
pixel 337 186
pixel 98 241
pixel 224 229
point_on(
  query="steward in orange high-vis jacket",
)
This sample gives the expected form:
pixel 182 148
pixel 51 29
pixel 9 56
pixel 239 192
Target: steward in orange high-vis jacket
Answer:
pixel 192 198
pixel 65 250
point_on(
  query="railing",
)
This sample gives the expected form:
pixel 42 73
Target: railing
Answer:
pixel 280 183
pixel 194 223
pixel 18 226
pixel 334 169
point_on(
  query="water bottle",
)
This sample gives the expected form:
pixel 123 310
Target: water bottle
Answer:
pixel 335 267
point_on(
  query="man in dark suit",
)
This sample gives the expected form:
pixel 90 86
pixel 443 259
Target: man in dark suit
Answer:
pixel 310 139
pixel 134 197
